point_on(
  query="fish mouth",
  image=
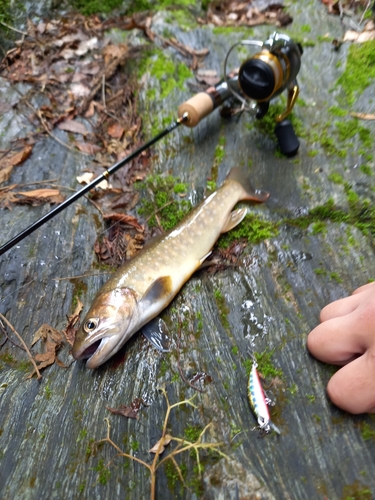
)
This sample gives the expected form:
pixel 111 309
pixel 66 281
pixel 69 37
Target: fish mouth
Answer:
pixel 90 350
pixel 99 351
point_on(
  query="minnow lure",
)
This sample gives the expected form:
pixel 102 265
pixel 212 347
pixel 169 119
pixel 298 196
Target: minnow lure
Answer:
pixel 258 402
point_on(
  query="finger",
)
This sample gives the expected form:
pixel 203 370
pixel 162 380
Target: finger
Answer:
pixel 340 307
pixel 338 340
pixel 352 387
pixel 364 288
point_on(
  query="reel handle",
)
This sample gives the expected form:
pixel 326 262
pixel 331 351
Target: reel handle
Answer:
pixel 203 103
pixel 197 108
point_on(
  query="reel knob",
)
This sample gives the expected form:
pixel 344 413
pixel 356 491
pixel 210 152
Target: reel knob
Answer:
pixel 288 141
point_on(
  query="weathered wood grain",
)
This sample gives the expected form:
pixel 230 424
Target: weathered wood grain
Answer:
pixel 268 302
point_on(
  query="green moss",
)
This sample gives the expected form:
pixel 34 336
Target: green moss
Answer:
pixel 253 228
pixel 265 366
pixel 336 178
pixel 168 73
pixel 268 122
pixel 361 214
pixel 168 208
pixel 88 7
pixel 319 227
pixel 235 350
pixel 367 431
pixel 356 491
pixel 103 472
pixel 48 391
pixel 311 398
pixel 192 433
pixel 336 111
pixel 366 169
pixel 360 69
pixel 223 308
pixel 312 153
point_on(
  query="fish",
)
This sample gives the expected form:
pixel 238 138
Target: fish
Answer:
pixel 143 286
pixel 259 402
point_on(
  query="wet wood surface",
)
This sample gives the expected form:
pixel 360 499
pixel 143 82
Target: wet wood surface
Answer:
pixel 267 302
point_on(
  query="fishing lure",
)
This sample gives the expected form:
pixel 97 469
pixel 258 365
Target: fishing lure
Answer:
pixel 259 402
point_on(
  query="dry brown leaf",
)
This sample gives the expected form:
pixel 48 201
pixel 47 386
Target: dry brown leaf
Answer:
pixel 116 131
pixel 47 331
pixel 52 341
pixel 159 447
pixel 21 156
pixel 128 411
pixel 126 219
pixel 39 196
pixel 70 330
pixel 5 172
pixel 363 116
pixel 87 147
pixel 73 126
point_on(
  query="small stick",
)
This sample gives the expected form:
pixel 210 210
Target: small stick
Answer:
pixel 24 345
pixel 15 29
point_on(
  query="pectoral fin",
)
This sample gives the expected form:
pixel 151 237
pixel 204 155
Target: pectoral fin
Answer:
pixel 156 332
pixel 234 219
pixel 159 289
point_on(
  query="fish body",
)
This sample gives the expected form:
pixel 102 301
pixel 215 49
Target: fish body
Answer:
pixel 258 402
pixel 142 287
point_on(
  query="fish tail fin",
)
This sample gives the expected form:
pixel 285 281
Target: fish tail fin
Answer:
pixel 239 175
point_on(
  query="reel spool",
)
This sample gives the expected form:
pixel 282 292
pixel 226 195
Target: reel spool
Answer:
pixel 266 75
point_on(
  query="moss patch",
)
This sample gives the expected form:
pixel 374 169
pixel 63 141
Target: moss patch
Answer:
pixel 88 7
pixel 253 228
pixel 166 207
pixel 359 72
pixel 168 73
pixel 361 214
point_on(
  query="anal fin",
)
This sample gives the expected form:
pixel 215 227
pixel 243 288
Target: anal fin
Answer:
pixel 234 219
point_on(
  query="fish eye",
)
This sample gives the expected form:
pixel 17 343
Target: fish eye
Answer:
pixel 90 325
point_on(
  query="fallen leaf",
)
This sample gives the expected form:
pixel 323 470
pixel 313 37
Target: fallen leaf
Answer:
pixel 46 331
pixel 73 126
pixel 125 219
pixel 70 330
pixel 87 147
pixel 116 131
pixel 39 196
pixel 8 163
pixel 363 116
pixel 21 156
pixel 159 447
pixel 79 90
pixel 5 172
pixel 85 178
pixel 52 341
pixel 128 411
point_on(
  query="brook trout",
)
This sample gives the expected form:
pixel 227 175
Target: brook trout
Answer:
pixel 142 287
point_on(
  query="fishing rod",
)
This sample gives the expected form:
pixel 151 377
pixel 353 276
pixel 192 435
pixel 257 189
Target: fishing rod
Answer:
pixel 260 78
pixel 190 114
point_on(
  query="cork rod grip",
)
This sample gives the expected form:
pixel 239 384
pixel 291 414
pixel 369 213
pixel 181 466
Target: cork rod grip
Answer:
pixel 197 108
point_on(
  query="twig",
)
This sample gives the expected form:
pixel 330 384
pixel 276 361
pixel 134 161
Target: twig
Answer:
pixel 24 345
pixel 103 91
pixel 8 338
pixel 366 9
pixel 182 445
pixel 15 29
pixel 81 276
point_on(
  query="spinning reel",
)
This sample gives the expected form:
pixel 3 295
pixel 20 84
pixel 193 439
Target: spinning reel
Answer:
pixel 266 75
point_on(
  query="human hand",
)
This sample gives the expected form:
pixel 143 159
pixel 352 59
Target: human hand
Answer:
pixel 346 337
